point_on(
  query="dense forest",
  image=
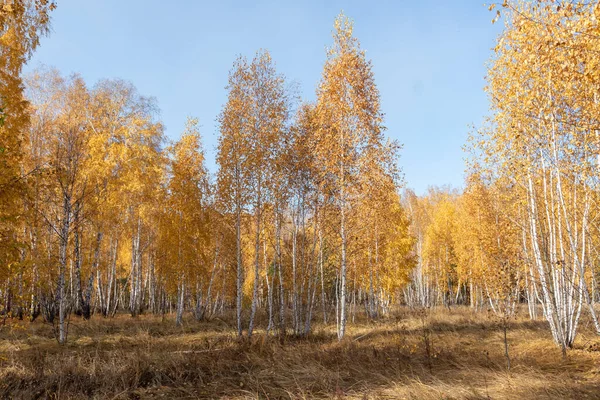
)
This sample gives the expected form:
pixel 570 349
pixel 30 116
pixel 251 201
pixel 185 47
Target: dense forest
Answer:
pixel 307 218
pixel 304 212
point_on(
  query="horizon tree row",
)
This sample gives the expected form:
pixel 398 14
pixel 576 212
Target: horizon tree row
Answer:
pixel 525 228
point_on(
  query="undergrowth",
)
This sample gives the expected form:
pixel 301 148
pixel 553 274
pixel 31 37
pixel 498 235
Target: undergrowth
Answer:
pixel 440 354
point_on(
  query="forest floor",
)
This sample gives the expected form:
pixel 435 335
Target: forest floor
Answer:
pixel 440 354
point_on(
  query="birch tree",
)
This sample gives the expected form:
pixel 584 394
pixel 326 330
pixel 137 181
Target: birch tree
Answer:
pixel 540 85
pixel 349 120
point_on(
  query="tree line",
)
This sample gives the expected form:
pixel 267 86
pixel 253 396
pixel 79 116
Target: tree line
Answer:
pixel 302 219
pixel 525 228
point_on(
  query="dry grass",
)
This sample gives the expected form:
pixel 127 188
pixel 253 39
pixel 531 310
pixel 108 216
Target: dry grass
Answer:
pixel 443 354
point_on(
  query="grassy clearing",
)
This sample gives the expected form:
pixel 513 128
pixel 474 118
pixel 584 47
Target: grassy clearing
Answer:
pixel 456 354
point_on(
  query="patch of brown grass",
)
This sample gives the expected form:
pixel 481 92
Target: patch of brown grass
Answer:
pixel 441 354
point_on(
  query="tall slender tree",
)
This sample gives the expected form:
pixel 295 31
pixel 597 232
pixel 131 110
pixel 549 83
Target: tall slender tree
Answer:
pixel 349 121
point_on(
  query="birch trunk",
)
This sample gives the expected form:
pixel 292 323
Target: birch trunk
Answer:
pixel 62 264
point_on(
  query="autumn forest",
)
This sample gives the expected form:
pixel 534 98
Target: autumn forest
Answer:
pixel 304 266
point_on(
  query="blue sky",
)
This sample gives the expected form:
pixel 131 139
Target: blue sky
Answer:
pixel 429 61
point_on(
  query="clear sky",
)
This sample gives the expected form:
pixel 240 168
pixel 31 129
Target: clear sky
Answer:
pixel 429 61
